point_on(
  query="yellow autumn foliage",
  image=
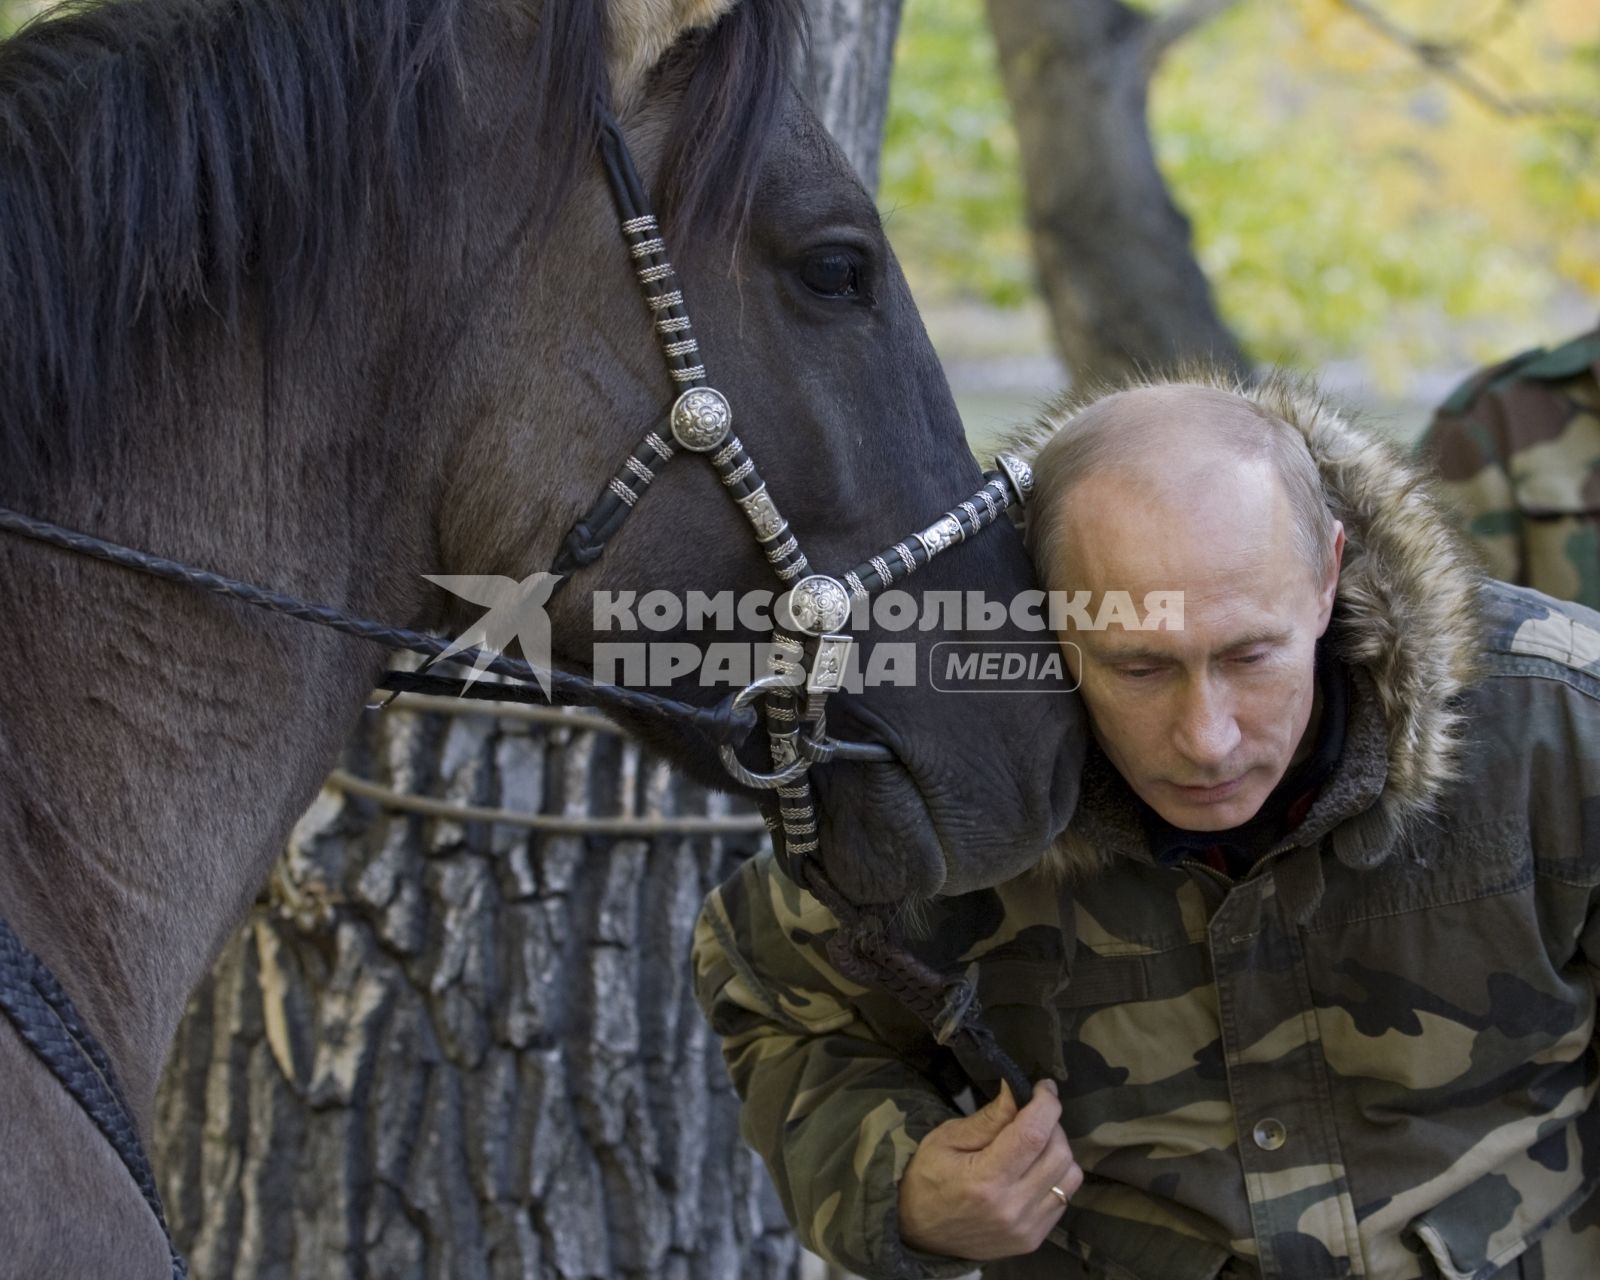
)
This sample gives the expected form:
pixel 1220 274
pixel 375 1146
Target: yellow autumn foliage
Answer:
pixel 1347 200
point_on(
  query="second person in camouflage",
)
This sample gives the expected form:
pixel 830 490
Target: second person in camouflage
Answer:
pixel 1518 447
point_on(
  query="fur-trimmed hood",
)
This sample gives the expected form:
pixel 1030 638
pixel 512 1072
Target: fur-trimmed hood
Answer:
pixel 1404 623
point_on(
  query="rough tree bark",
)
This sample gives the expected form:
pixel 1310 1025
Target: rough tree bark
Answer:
pixel 458 1051
pixel 852 49
pixel 1114 252
pixel 449 1050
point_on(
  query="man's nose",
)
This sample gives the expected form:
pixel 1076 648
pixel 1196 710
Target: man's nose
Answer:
pixel 1207 731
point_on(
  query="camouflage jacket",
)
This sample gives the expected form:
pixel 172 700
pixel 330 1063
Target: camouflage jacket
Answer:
pixel 1518 447
pixel 1374 1055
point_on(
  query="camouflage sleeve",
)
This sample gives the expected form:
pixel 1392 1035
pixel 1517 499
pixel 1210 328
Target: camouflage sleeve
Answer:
pixel 833 1101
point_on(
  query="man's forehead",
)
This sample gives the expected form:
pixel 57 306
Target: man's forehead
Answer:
pixel 1151 529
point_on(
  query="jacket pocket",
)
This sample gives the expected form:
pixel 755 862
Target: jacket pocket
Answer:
pixel 1503 1216
pixel 1455 1258
pixel 1104 1247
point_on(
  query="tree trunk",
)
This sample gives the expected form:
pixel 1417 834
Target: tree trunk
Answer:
pixel 852 49
pixel 459 1050
pixel 1113 250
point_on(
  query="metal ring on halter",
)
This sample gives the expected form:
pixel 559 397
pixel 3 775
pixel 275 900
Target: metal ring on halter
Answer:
pixel 730 761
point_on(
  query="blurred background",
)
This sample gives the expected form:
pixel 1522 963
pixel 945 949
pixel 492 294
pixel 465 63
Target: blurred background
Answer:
pixel 1390 194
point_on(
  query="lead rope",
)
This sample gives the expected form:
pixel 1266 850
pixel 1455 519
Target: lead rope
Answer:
pixel 724 724
pixel 867 950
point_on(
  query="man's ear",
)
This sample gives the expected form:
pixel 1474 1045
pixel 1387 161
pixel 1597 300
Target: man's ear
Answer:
pixel 639 32
pixel 1330 588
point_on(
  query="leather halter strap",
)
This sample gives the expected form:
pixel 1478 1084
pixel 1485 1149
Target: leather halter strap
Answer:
pixel 815 650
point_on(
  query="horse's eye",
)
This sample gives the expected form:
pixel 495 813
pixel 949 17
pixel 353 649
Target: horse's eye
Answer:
pixel 831 274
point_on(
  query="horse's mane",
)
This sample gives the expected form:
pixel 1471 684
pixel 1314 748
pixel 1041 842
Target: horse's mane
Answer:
pixel 162 155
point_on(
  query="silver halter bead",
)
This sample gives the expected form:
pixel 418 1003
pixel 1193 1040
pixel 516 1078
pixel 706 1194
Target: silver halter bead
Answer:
pixel 1018 472
pixel 701 419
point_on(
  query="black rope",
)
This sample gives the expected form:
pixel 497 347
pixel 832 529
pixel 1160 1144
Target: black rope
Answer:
pixel 865 949
pixel 722 723
pixel 47 1020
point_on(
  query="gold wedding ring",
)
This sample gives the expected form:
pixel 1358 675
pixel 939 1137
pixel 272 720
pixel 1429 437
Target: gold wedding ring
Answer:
pixel 1059 1194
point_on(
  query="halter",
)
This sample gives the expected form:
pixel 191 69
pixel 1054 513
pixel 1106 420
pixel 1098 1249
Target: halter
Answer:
pixel 815 653
pixel 866 946
pixel 809 659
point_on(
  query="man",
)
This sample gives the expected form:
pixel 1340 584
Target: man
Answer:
pixel 1518 446
pixel 1310 979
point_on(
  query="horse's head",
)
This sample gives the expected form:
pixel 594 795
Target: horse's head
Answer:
pixel 806 324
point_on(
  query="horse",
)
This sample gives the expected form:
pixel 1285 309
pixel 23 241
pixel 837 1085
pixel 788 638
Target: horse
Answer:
pixel 329 295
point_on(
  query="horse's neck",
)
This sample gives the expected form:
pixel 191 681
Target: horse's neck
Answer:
pixel 156 746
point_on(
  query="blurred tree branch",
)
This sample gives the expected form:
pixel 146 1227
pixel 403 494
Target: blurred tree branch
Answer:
pixel 1165 30
pixel 1449 60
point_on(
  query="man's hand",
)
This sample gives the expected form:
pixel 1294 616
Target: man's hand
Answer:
pixel 979 1186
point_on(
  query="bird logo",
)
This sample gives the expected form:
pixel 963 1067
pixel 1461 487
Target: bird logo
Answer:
pixel 516 611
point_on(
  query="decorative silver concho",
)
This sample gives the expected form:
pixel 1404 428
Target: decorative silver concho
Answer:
pixel 701 419
pixel 943 532
pixel 819 604
pixel 1019 472
pixel 763 514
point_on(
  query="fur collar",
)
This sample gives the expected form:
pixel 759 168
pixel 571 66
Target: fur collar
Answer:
pixel 1403 623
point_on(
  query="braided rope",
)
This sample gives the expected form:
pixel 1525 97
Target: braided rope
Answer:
pixel 865 950
pixel 722 723
pixel 47 1020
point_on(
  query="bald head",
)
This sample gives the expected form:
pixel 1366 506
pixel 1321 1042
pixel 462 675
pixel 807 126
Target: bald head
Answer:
pixel 1176 449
